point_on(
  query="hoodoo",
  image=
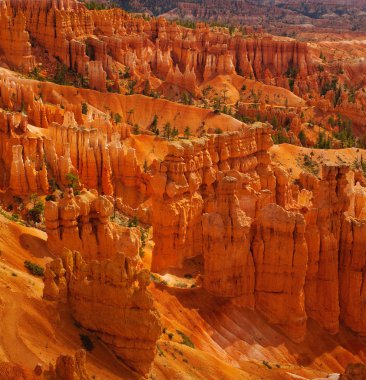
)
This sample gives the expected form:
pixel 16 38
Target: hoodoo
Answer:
pixel 182 196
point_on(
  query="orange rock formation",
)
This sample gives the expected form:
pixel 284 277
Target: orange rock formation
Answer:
pixel 14 39
pixel 82 223
pixel 284 240
pixel 70 368
pixel 110 298
pixel 178 56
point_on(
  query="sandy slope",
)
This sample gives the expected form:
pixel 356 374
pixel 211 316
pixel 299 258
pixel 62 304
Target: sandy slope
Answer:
pixel 291 157
pixel 142 108
pixel 242 338
pixel 235 85
pixel 34 331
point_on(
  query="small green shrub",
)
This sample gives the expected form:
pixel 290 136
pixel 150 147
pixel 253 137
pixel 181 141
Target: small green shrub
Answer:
pixel 157 279
pixel 60 75
pixel 170 336
pixel 35 269
pixel 310 165
pixel 95 5
pixel 84 108
pixel 35 74
pixel 187 133
pixel 185 339
pixel 302 138
pixel 35 213
pixel 136 129
pixel 279 138
pixel 117 118
pixel 266 364
pixel 133 222
pixel 15 217
pixel 73 182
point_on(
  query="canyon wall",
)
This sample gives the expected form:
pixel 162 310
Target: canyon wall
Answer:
pixel 217 197
pixel 110 298
pixel 211 196
pixel 14 39
pixel 154 48
pixel 291 250
pixel 21 156
pixel 185 182
pixel 228 263
pixel 352 262
pixel 280 255
pixel 83 223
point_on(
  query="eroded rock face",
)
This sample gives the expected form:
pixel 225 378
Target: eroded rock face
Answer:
pixel 177 55
pixel 22 155
pixel 280 255
pixel 11 371
pixel 70 367
pixel 292 260
pixel 110 298
pixel 82 223
pixel 323 220
pixel 186 183
pixel 216 196
pixel 334 210
pixel 176 196
pixel 14 39
pixel 352 261
pixel 96 153
pixel 228 263
pixel 354 372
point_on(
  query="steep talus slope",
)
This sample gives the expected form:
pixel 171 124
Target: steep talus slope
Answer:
pixel 245 339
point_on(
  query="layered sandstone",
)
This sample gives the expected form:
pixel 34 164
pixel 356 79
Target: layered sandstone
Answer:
pixel 291 262
pixel 110 298
pixel 179 56
pixel 22 156
pixel 352 261
pixel 355 371
pixel 96 153
pixel 70 367
pixel 184 185
pixel 216 196
pixel 324 219
pixel 280 255
pixel 14 39
pixel 82 223
pixel 228 263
